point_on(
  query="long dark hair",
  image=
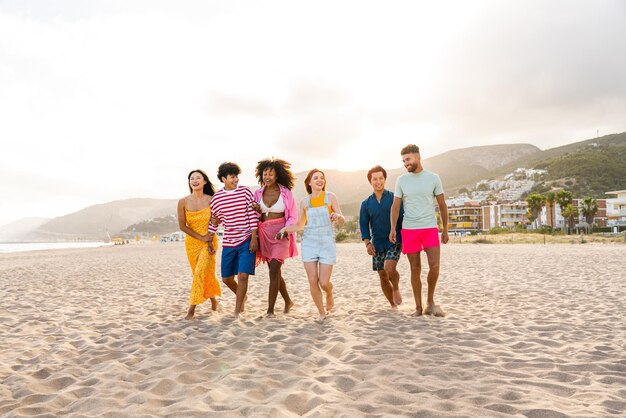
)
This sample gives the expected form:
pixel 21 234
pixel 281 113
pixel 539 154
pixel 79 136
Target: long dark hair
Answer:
pixel 208 186
pixel 282 169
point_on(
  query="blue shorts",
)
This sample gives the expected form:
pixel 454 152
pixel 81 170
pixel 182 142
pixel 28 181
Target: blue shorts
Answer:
pixel 237 260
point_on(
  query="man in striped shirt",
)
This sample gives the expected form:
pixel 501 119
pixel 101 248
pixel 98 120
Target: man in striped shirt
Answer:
pixel 232 207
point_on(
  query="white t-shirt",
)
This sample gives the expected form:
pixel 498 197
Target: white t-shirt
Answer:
pixel 418 191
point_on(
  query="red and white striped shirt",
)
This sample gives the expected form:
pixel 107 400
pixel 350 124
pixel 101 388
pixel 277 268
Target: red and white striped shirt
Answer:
pixel 234 210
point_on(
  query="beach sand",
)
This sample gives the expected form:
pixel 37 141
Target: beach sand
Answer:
pixel 531 330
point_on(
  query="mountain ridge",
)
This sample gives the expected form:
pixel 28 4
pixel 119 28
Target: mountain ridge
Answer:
pixel 457 168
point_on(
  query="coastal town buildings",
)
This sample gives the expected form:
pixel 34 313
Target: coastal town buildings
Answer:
pixel 616 209
pixel 466 218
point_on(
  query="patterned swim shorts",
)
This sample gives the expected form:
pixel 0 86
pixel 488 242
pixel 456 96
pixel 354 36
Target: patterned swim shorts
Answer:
pixel 393 253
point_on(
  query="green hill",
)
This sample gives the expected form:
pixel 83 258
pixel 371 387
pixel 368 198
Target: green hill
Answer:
pixel 591 169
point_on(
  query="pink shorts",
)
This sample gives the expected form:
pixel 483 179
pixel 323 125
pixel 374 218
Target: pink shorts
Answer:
pixel 414 240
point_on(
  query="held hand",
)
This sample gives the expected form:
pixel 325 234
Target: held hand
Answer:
pixel 211 249
pixel 392 236
pixel 336 217
pixel 281 234
pixel 254 245
pixel 256 207
pixel 215 220
pixel 444 237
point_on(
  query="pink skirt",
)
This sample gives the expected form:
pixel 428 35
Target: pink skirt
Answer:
pixel 271 248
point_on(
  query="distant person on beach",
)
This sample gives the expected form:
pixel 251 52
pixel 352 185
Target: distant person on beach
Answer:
pixel 417 191
pixel 375 225
pixel 277 207
pixel 318 211
pixel 232 206
pixel 194 215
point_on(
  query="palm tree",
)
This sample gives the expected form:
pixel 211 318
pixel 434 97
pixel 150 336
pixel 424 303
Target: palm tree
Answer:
pixel 589 208
pixel 535 204
pixel 570 213
pixel 550 200
pixel 563 198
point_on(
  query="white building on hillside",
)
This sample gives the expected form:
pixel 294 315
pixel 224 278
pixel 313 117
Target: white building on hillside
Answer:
pixel 616 208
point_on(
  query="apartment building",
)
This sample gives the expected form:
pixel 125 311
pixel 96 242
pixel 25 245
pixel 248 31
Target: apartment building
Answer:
pixel 616 208
pixel 555 219
pixel 465 218
pixel 504 215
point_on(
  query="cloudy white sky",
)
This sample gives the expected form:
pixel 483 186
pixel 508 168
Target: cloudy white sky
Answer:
pixel 105 100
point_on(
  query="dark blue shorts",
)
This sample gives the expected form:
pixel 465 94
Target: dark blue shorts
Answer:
pixel 237 260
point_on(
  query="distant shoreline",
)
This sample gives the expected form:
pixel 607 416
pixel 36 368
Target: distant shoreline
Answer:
pixel 17 247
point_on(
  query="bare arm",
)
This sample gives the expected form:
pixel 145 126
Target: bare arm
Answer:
pixel 395 213
pixel 443 211
pixel 336 215
pixel 299 225
pixel 182 222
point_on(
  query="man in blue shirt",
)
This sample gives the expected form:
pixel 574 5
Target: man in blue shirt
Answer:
pixel 375 224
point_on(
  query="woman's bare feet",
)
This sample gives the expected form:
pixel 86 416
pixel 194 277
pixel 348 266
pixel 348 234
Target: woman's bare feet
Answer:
pixel 321 319
pixel 288 306
pixel 330 302
pixel 191 312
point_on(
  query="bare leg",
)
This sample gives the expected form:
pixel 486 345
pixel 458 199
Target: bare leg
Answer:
pixel 326 285
pixel 242 288
pixel 283 292
pixel 416 281
pixel 385 285
pixel 394 278
pixel 433 254
pixel 191 312
pixel 274 286
pixel 316 293
pixel 214 304
pixel 231 283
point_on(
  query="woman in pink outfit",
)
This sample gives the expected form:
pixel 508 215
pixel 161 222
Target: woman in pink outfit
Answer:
pixel 277 206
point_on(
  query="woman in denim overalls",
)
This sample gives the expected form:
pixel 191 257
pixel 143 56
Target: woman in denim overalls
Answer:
pixel 317 213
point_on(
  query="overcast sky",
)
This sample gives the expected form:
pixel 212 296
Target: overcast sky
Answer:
pixel 105 100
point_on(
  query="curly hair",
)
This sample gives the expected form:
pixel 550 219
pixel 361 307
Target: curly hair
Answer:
pixel 282 168
pixel 227 168
pixel 208 186
pixel 308 178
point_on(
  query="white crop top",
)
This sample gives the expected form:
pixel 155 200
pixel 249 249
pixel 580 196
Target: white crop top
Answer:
pixel 278 207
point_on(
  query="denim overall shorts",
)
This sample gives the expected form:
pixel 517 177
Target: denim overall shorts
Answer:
pixel 318 241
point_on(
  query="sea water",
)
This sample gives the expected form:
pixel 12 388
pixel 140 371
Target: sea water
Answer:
pixel 34 246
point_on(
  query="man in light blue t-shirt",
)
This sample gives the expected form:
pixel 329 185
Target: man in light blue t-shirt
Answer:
pixel 417 191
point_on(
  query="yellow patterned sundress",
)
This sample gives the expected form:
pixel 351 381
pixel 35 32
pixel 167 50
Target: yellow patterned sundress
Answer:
pixel 205 284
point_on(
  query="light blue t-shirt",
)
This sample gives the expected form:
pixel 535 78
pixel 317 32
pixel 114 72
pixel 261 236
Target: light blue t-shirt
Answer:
pixel 418 191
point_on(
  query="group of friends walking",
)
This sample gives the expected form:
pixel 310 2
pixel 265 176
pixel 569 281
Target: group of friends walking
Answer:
pixel 260 227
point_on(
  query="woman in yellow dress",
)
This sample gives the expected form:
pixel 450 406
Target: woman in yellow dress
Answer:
pixel 194 215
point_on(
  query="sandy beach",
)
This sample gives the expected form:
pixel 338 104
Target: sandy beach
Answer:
pixel 531 330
